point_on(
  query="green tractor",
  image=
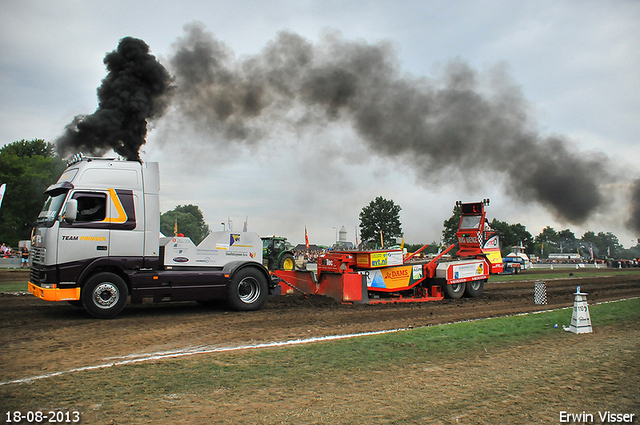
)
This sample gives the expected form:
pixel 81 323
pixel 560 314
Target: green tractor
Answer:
pixel 277 253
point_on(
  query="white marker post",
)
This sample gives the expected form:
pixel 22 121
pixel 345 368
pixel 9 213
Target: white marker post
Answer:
pixel 580 320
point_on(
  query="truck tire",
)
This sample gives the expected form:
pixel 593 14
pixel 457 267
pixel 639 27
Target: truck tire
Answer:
pixel 104 295
pixel 474 288
pixel 455 290
pixel 248 290
pixel 287 262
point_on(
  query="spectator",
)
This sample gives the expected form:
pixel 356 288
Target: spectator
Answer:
pixel 25 256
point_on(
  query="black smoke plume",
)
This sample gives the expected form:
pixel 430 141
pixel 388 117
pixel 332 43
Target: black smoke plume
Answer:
pixel 455 123
pixel 634 221
pixel 458 124
pixel 135 90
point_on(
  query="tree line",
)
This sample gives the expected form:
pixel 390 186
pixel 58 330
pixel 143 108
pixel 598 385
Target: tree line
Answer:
pixel 549 241
pixel 382 216
pixel 29 167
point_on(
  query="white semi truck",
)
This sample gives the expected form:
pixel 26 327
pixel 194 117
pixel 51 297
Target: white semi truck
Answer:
pixel 97 242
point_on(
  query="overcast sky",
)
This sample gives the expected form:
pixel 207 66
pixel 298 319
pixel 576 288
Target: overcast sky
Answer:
pixel 575 63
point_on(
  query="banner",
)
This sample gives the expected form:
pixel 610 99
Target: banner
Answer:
pixel 306 237
pixel 2 189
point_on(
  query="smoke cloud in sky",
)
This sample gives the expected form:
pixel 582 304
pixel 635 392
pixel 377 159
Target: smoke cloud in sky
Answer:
pixel 634 220
pixel 455 122
pixel 462 122
pixel 135 90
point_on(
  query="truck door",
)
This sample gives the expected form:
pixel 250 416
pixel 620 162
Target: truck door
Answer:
pixel 126 237
pixel 87 237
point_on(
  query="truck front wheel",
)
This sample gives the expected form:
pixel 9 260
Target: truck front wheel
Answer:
pixel 455 290
pixel 248 290
pixel 104 295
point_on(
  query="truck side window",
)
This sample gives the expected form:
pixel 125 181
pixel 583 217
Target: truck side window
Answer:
pixel 91 206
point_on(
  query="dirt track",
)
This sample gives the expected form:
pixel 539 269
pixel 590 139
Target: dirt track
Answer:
pixel 39 337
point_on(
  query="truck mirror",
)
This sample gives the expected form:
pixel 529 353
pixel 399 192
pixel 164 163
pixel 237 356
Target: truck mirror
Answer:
pixel 71 210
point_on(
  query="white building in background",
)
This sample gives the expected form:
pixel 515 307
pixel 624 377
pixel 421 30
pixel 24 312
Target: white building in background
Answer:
pixel 342 234
pixel 342 242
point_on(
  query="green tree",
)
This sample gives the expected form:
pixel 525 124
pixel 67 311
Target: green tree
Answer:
pixel 591 242
pixel 190 222
pixel 546 242
pixel 522 236
pixel 24 148
pixel 567 240
pixel 380 215
pixel 28 168
pixel 548 236
pixel 512 235
pixel 451 226
pixel 611 245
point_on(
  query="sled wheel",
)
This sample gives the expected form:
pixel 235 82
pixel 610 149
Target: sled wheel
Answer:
pixel 474 288
pixel 455 290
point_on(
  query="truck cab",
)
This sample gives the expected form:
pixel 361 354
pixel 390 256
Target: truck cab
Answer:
pixel 476 238
pixel 97 241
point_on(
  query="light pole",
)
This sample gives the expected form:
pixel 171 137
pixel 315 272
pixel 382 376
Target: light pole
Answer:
pixel 223 228
pixel 336 240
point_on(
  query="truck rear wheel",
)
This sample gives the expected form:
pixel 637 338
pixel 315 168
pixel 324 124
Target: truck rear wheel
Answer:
pixel 455 290
pixel 248 290
pixel 287 262
pixel 104 295
pixel 474 288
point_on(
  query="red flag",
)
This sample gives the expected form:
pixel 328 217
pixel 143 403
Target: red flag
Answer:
pixel 306 237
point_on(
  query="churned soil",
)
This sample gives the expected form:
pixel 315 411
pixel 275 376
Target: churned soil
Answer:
pixel 39 337
pixel 536 382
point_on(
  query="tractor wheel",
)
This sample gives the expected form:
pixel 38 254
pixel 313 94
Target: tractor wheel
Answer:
pixel 248 290
pixel 287 262
pixel 455 290
pixel 104 295
pixel 474 288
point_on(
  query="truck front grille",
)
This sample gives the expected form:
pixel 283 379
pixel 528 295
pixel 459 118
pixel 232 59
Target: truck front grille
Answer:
pixel 37 255
pixel 34 276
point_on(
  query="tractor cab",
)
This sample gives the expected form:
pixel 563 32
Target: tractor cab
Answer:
pixel 476 238
pixel 277 253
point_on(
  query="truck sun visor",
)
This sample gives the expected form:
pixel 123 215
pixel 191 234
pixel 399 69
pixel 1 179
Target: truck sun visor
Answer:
pixel 58 187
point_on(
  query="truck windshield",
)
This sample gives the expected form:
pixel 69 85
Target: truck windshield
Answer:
pixel 470 221
pixel 51 208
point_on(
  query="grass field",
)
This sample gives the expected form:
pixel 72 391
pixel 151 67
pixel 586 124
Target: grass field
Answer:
pixel 499 370
pixel 13 286
pixel 12 280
